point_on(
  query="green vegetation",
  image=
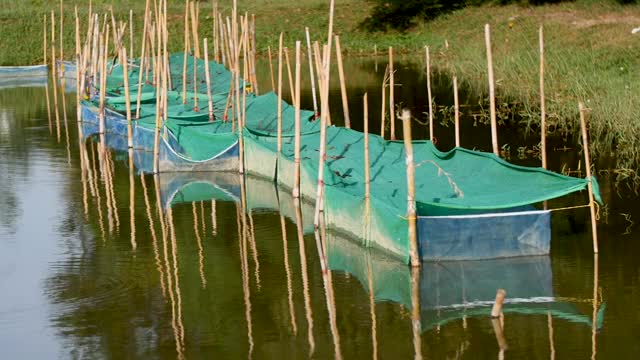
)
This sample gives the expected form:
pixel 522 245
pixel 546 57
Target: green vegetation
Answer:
pixel 591 55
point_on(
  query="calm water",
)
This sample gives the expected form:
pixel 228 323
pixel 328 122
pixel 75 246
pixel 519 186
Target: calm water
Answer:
pixel 88 270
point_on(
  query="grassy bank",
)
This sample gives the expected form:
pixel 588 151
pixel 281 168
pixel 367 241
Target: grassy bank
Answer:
pixel 591 54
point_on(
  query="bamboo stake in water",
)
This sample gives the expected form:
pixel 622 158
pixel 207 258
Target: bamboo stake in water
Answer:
pixel 216 35
pixel 127 98
pixel 296 101
pixel 279 97
pixel 54 73
pixel 411 190
pixel 416 327
pixel 273 81
pixel 392 104
pixel 61 40
pixel 45 50
pixel 456 109
pixel 430 99
pixel 587 165
pixel 131 32
pixel 291 88
pixel 543 115
pixel 492 91
pixel 311 76
pixel 367 176
pixel 208 79
pixel 79 66
pixel 343 86
pixel 252 54
pixel 383 113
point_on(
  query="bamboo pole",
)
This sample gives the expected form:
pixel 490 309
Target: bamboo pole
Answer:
pixel 208 79
pixel 291 87
pixel 223 43
pixel 543 115
pixel 54 73
pixel 311 76
pixel 594 315
pixel 131 32
pixel 492 91
pixel 142 59
pixel 103 78
pixel 45 50
pixel 186 52
pixel 252 54
pixel 273 81
pixel 61 40
pixel 428 59
pixel 127 97
pixel 367 170
pixel 587 165
pixel 496 310
pixel 195 84
pixel 279 98
pixel 456 109
pixel 411 189
pixel 132 201
pixel 383 112
pixel 392 104
pixel 216 35
pixel 343 86
pixel 79 67
pixel 296 101
pixel 194 29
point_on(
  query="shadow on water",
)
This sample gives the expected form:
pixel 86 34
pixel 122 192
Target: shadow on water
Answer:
pixel 194 265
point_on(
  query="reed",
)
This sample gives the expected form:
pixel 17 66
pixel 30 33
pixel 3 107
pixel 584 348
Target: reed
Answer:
pixel 587 165
pixel 411 190
pixel 492 91
pixel 343 87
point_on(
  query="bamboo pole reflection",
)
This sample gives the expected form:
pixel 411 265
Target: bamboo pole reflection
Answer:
pixel 552 348
pixel 83 172
pixel 174 292
pixel 305 276
pixel 132 202
pixel 595 307
pixel 372 306
pixel 97 191
pixel 287 269
pixel 203 280
pixel 154 237
pixel 111 166
pixel 105 181
pixel 415 312
pixel 214 220
pixel 327 283
pixel 204 223
pixel 254 249
pixel 244 259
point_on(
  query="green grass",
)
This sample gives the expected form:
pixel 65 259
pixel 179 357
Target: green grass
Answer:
pixel 591 55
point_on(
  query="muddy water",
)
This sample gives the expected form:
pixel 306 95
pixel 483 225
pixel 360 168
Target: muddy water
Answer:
pixel 178 269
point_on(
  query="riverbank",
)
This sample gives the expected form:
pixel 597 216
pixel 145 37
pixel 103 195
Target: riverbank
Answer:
pixel 591 54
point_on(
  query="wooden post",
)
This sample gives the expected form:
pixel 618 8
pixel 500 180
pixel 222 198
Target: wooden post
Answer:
pixel 44 50
pixel 311 76
pixel 496 311
pixel 411 190
pixel 127 98
pixel 492 91
pixel 456 109
pixel 543 115
pixel 392 104
pixel 428 59
pixel 343 87
pixel 587 165
pixel 296 101
pixel 273 81
pixel 279 97
pixel 208 79
pixel 367 175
